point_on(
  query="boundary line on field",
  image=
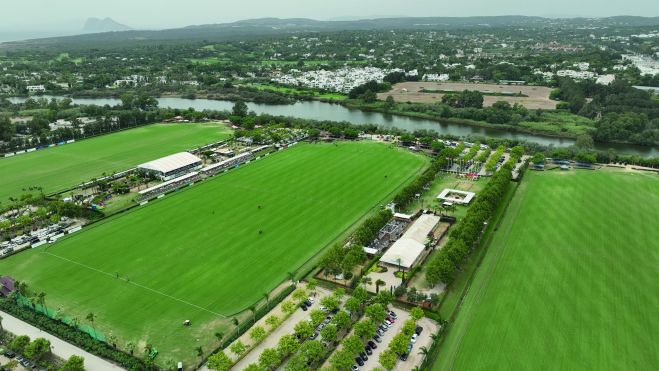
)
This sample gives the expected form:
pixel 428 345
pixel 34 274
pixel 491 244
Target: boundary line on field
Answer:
pixel 136 284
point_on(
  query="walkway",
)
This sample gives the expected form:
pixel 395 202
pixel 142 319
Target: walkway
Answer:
pixel 60 348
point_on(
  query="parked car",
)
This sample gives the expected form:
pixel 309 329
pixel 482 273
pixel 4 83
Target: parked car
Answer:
pixel 304 307
pixel 359 361
pixel 377 339
pixel 335 311
pixel 393 315
pixel 314 335
pixel 310 300
pixel 388 323
pixel 403 357
pixel 363 356
pixel 372 344
pixel 414 337
pixel 10 354
pixel 419 330
pixel 323 308
pixel 368 350
pixel 307 303
pixel 355 368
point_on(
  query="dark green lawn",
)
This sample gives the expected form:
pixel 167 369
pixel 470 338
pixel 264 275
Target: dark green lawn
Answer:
pixel 64 166
pixel 570 281
pixel 198 254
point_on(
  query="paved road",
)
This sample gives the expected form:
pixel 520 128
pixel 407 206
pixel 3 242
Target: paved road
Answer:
pixel 288 327
pixel 60 348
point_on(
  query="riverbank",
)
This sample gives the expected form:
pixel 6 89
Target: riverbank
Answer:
pixel 338 112
pixel 456 121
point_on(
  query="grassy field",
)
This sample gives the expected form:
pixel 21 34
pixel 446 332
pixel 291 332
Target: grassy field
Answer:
pixel 57 168
pixel 199 254
pixel 569 282
pixel 558 122
pixel 286 90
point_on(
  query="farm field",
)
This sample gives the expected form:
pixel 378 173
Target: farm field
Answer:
pixel 212 250
pixel 60 167
pixel 537 97
pixel 569 281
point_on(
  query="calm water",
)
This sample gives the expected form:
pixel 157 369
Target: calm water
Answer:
pixel 334 112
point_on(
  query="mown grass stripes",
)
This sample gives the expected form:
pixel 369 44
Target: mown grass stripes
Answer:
pixel 211 246
pixel 61 167
pixel 569 282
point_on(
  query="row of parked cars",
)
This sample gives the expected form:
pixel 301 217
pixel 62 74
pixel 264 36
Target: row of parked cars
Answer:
pixel 377 338
pixel 24 362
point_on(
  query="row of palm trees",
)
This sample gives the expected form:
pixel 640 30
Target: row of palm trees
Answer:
pixel 22 290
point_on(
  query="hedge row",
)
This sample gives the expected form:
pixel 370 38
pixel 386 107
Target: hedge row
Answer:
pixel 465 234
pixel 72 335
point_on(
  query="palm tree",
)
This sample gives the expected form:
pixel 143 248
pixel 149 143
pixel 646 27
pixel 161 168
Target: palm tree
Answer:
pixel 267 299
pixel 219 336
pixel 235 322
pixel 130 347
pixel 112 339
pixel 200 352
pixel 253 310
pixel 366 280
pixel 59 314
pixel 291 276
pixel 42 301
pixel 90 317
pixel 379 283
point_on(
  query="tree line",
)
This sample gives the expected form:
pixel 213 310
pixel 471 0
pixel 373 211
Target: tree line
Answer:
pixel 465 235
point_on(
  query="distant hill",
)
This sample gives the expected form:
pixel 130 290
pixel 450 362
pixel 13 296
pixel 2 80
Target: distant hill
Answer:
pixel 97 25
pixel 273 26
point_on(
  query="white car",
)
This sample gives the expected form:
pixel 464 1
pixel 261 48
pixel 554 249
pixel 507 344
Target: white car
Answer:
pixel 311 299
pixel 414 337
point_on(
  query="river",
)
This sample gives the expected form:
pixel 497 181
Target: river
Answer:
pixel 326 111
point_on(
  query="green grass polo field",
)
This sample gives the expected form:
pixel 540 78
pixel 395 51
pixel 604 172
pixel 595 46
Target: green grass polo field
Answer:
pixel 570 280
pixel 198 254
pixel 60 167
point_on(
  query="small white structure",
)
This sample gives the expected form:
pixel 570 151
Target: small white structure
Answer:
pixel 407 250
pixel 36 88
pixel 172 166
pixel 455 196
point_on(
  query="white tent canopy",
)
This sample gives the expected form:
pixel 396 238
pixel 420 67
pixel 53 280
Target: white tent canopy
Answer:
pixel 171 163
pixel 407 249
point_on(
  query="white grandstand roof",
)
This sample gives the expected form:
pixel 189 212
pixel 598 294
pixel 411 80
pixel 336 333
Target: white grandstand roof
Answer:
pixel 171 163
pixel 406 250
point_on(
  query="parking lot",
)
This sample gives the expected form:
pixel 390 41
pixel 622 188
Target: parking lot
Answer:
pixel 287 327
pixel 373 360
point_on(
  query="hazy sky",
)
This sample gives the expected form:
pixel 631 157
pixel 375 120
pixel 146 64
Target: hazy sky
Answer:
pixel 23 15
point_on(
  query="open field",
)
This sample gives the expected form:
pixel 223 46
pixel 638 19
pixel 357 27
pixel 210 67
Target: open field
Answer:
pixel 60 167
pixel 569 281
pixel 287 90
pixel 536 96
pixel 210 251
